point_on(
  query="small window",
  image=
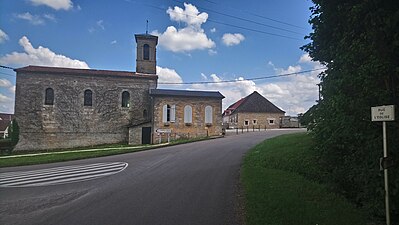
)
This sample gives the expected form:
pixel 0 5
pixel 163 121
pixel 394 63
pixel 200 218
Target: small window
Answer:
pixel 246 122
pixel 271 121
pixel 255 122
pixel 125 99
pixel 208 114
pixel 188 114
pixel 145 114
pixel 88 98
pixel 168 114
pixel 146 52
pixel 49 98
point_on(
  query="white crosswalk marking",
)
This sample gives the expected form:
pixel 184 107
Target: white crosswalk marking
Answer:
pixel 60 175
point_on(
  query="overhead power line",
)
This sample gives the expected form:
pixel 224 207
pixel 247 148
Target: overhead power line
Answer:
pixel 223 23
pixel 7 67
pixel 246 20
pixel 251 79
pixel 260 16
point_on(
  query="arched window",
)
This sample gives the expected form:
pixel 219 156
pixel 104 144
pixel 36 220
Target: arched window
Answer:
pixel 125 99
pixel 208 114
pixel 146 52
pixel 145 114
pixel 49 98
pixel 188 114
pixel 88 98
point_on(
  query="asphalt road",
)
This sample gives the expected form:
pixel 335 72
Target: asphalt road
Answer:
pixel 195 183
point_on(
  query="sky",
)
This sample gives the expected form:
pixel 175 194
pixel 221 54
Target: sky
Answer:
pixel 199 41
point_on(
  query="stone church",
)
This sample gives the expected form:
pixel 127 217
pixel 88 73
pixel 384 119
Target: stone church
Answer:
pixel 65 108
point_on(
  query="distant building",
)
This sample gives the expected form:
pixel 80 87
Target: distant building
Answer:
pixel 253 111
pixel 5 122
pixel 66 108
pixel 289 122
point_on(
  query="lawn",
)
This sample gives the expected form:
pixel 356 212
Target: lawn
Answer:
pixel 280 177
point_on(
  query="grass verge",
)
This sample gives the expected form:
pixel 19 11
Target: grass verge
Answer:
pixel 52 156
pixel 278 190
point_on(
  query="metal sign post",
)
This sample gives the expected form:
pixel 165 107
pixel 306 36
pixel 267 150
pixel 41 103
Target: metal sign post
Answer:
pixel 384 113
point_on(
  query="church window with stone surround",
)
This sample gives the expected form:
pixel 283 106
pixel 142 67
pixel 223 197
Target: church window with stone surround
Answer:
pixel 146 52
pixel 168 113
pixel 49 98
pixel 125 99
pixel 88 98
pixel 188 114
pixel 208 114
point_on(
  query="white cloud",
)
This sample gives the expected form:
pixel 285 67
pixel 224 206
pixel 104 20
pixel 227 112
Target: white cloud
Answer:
pixel 55 4
pixel 232 39
pixel 113 42
pixel 12 89
pixel 189 38
pixel 213 30
pixel 100 24
pixel 6 104
pixel 4 98
pixel 39 56
pixel 33 19
pixel 294 94
pixel 305 58
pixel 212 52
pixel 50 17
pixel 5 83
pixel 36 19
pixel 289 70
pixel 166 75
pixel 190 15
pixel 3 36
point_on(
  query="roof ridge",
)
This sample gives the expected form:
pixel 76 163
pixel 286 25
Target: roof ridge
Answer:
pixel 254 100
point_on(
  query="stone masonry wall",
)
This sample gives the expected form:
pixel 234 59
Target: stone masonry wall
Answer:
pixel 262 120
pixel 198 127
pixel 68 123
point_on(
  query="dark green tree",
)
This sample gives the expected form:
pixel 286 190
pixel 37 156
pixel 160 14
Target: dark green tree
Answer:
pixel 14 132
pixel 358 42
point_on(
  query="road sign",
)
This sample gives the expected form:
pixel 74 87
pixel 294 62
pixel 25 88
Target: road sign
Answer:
pixel 168 131
pixel 383 113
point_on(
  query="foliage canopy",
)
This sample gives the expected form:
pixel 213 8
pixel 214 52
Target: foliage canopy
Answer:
pixel 358 42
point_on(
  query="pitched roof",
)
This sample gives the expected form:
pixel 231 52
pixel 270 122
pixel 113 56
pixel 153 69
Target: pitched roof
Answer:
pixel 4 124
pixel 6 116
pixel 254 102
pixel 91 72
pixel 184 93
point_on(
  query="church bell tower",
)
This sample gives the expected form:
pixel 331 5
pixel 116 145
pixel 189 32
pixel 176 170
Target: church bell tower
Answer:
pixel 146 58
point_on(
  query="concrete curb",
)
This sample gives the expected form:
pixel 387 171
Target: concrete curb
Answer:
pixel 83 150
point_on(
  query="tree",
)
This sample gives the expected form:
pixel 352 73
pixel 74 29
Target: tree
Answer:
pixel 14 132
pixel 358 42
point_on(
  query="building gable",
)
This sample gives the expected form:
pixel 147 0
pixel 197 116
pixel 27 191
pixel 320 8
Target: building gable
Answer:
pixel 257 103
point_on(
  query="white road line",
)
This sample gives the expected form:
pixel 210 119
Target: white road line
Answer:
pixel 77 167
pixel 60 175
pixel 57 173
pixel 56 176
